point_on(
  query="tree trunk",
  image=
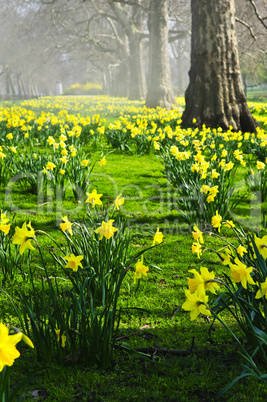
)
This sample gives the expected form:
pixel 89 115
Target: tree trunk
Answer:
pixel 215 96
pixel 132 25
pixel 160 91
pixel 137 83
pixel 118 80
pixel 245 84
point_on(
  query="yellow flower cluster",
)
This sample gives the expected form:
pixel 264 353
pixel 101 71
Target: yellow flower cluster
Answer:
pixel 240 272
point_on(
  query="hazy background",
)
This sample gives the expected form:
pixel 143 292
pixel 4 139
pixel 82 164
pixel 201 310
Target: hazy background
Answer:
pixel 50 47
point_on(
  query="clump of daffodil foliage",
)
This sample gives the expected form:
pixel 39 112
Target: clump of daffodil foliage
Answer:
pixel 76 313
pixel 242 290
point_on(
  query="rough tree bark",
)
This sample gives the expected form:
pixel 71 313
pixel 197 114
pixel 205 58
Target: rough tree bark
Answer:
pixel 215 96
pixel 160 91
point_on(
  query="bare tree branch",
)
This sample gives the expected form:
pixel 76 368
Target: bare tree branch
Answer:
pixel 247 26
pixel 257 13
pixel 130 3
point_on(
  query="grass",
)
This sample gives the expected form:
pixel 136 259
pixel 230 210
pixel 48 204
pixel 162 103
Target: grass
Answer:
pixel 151 314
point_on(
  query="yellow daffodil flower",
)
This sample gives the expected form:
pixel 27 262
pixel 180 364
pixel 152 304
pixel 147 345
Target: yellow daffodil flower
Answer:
pixel 262 290
pixel 241 250
pixel 196 248
pixel 103 161
pixel 74 262
pixel 204 189
pixel 85 162
pixel 195 303
pixel 158 237
pixel 8 351
pixel 23 237
pixel 50 140
pixel 204 278
pixel 118 202
pixel 229 224
pixel 261 245
pixel 260 165
pixel 94 198
pixel 240 273
pixel 50 165
pixel 198 235
pixel 106 229
pixel 216 221
pixel 66 225
pixel 227 257
pixel 4 225
pixel 228 166
pixel 214 174
pixel 140 269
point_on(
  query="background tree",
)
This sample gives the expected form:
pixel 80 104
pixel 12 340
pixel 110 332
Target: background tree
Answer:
pixel 252 38
pixel 131 20
pixel 160 91
pixel 215 96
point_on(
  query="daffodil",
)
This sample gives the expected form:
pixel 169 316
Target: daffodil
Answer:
pixel 66 225
pixel 214 174
pixel 106 229
pixel 94 198
pixel 23 237
pixel 228 166
pixel 174 150
pixel 118 202
pixel 198 235
pixel 13 149
pixel 85 162
pixel 260 165
pixel 4 225
pixel 240 273
pixel 262 290
pixel 64 151
pixel 74 262
pixel 140 269
pixel 64 159
pixel 241 250
pixel 8 351
pixel 204 278
pixel 204 189
pixel 211 198
pixel 158 237
pixel 195 303
pixel 103 161
pixel 229 224
pixel 226 258
pixel 261 245
pixel 156 145
pixel 50 140
pixel 50 165
pixel 196 248
pixel 216 221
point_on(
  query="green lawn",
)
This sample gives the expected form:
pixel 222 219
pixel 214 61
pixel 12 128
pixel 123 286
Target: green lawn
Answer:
pixel 206 357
